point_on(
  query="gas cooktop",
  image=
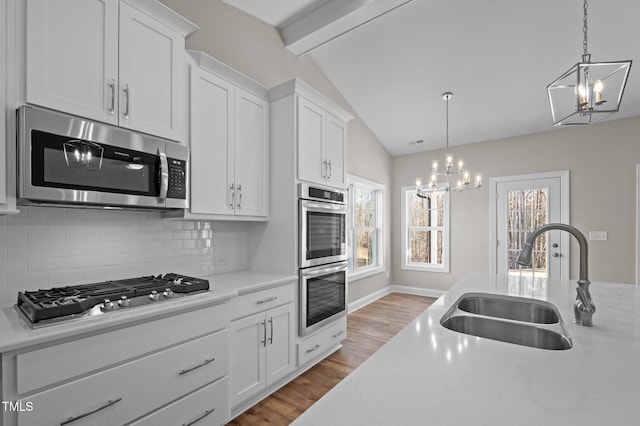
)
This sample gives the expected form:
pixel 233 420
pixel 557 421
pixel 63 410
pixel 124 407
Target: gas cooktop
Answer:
pixel 58 304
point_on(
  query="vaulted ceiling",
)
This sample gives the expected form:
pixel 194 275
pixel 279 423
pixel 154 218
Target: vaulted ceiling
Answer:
pixel 393 59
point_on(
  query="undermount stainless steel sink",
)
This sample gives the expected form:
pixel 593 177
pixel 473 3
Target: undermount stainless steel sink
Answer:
pixel 516 320
pixel 509 307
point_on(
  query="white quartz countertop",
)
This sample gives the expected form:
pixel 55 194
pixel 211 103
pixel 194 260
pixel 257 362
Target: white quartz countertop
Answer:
pixel 15 333
pixel 428 374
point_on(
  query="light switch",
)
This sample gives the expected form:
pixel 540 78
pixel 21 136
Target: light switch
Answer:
pixel 598 235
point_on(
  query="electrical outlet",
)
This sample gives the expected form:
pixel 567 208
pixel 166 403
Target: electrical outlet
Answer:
pixel 598 235
pixel 221 260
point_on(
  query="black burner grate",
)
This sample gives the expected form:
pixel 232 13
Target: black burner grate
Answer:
pixel 62 301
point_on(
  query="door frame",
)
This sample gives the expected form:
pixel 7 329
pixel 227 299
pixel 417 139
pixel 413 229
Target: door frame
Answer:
pixel 564 214
pixel 637 224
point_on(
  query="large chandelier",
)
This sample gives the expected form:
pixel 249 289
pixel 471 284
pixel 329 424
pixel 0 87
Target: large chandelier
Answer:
pixel 589 91
pixel 450 171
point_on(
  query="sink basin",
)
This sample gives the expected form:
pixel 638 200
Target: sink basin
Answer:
pixel 510 332
pixel 508 307
pixel 516 320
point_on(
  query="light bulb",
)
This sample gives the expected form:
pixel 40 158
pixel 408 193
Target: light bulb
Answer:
pixel 460 165
pixel 419 183
pixel 449 164
pixel 598 87
pixel 478 180
pixel 434 165
pixel 582 96
pixel 467 178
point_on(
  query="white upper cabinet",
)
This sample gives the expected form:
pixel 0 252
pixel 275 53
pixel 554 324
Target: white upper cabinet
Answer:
pixel 229 143
pixel 320 133
pixel 109 60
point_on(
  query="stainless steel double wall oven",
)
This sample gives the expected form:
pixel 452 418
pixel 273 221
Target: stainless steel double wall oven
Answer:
pixel 323 256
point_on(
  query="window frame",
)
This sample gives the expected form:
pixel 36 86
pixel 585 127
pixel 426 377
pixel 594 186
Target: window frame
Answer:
pixel 406 191
pixel 378 249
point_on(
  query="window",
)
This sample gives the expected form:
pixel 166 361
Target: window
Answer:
pixel 365 238
pixel 425 231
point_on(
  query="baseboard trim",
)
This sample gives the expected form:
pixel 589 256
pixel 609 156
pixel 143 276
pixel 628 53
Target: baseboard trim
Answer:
pixel 418 291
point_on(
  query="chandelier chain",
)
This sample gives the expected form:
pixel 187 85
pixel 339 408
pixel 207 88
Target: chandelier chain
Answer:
pixel 447 133
pixel 585 28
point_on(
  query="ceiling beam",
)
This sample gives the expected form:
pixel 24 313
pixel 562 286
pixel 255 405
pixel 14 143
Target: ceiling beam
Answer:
pixel 333 19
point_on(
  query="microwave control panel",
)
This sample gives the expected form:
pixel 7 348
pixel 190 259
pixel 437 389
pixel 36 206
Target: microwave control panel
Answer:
pixel 177 179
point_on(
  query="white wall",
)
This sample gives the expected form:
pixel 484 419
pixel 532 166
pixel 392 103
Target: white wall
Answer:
pixel 602 161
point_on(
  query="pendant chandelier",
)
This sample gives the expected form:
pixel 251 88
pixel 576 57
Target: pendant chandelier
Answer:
pixel 589 91
pixel 450 171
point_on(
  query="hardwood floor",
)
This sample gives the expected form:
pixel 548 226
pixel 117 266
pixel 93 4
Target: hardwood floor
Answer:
pixel 368 329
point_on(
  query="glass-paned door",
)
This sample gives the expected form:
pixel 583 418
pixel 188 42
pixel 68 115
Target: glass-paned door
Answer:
pixel 522 206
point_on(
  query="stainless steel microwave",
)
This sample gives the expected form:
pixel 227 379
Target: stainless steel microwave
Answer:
pixel 68 160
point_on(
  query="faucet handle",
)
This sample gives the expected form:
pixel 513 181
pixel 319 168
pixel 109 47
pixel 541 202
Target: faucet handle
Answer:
pixel 583 308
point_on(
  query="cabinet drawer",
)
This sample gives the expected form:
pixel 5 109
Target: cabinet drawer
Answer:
pixel 50 365
pixel 207 406
pixel 126 392
pixel 321 342
pixel 259 301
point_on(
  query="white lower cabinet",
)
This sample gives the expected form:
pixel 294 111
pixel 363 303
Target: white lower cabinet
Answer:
pixel 206 406
pixel 176 369
pixel 319 343
pixel 261 344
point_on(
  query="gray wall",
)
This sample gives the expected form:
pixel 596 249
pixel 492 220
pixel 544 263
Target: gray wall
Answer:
pixel 255 49
pixel 602 162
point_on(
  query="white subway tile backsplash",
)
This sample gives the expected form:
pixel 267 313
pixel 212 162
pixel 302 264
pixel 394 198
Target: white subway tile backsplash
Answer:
pixel 45 264
pixel 44 246
pixel 27 280
pixel 26 251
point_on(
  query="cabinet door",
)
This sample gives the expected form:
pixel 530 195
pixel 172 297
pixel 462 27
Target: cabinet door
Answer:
pixel 336 136
pixel 311 127
pixel 72 56
pixel 251 154
pixel 151 75
pixel 247 357
pixel 212 105
pixel 3 103
pixel 280 348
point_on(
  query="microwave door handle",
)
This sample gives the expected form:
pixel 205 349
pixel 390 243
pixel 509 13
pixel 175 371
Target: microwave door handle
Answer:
pixel 164 177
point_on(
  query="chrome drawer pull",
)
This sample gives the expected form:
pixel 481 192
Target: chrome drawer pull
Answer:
pixel 340 333
pixel 206 361
pixel 82 416
pixel 206 413
pixel 112 108
pixel 313 348
pixel 271 299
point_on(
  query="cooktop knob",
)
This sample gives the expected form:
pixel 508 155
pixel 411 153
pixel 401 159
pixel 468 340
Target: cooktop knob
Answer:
pixel 107 305
pixel 124 302
pixel 168 293
pixel 154 296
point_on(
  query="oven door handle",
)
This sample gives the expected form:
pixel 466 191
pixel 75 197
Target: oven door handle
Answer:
pixel 163 175
pixel 324 271
pixel 324 207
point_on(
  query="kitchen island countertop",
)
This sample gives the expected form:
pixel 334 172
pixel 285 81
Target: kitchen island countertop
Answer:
pixel 16 334
pixel 428 374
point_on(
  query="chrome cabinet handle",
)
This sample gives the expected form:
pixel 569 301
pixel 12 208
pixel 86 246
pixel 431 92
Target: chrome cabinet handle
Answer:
pixel 112 108
pixel 206 413
pixel 271 338
pixel 324 168
pixel 232 195
pixel 206 362
pixel 270 299
pixel 164 176
pixel 330 170
pixel 264 342
pixel 82 416
pixel 239 196
pixel 127 94
pixel 313 348
pixel 340 333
